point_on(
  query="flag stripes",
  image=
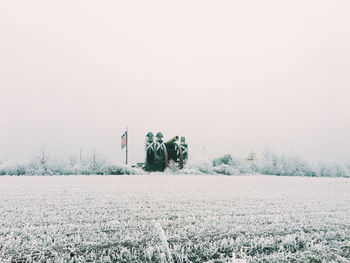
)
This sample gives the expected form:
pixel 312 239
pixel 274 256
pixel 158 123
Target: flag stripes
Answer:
pixel 124 140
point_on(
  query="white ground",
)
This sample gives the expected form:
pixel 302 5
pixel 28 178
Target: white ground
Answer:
pixel 163 218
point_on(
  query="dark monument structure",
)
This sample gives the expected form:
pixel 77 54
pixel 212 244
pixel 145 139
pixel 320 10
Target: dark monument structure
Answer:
pixel 160 154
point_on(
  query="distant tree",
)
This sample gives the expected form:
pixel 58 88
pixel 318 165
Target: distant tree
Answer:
pixel 43 159
pixel 96 164
pixel 73 160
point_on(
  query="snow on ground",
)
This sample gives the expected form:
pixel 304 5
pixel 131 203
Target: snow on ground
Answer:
pixel 168 218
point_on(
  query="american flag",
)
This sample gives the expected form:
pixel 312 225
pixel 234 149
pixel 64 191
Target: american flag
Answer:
pixel 124 139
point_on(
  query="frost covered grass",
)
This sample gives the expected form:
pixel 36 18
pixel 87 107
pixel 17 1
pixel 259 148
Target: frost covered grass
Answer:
pixel 160 218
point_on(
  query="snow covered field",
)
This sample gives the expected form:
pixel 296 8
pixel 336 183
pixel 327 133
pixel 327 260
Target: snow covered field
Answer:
pixel 167 218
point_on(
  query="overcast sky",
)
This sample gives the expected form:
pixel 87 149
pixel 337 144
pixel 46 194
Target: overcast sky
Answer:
pixel 231 76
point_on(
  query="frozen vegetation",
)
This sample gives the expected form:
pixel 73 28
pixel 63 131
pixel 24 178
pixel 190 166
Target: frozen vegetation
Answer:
pixel 44 164
pixel 268 164
pixel 174 218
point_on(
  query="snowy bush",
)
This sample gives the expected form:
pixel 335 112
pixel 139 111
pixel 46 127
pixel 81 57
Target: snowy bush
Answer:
pixel 112 168
pixel 195 166
pixel 284 165
pixel 53 166
pixel 226 159
pixel 269 164
pixel 200 166
pixel 225 169
pixel 238 166
pixel 333 170
pixel 12 168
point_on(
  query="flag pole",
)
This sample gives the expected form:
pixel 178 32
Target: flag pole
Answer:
pixel 127 145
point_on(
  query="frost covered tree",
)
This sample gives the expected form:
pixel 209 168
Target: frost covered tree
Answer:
pixel 41 162
pixel 94 164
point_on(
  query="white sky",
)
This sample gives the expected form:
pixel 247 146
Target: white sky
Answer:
pixel 229 75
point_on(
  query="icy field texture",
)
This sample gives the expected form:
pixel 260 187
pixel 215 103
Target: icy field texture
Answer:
pixel 166 218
